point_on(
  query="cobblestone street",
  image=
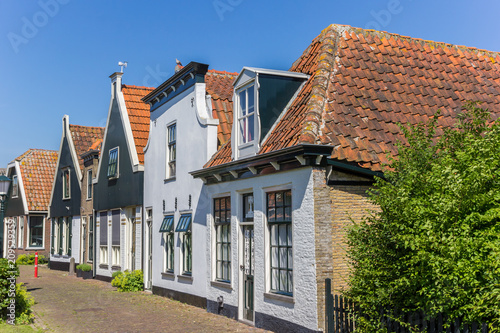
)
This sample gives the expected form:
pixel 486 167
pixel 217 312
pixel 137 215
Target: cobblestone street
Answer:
pixel 70 304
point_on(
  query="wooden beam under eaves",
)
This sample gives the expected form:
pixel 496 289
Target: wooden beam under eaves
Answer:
pixel 276 165
pixel 233 173
pixel 217 176
pixel 253 170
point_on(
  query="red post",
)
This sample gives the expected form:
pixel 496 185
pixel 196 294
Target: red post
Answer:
pixel 36 264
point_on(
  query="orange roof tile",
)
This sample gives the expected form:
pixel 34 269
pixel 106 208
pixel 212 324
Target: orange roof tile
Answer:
pixel 138 113
pixel 220 88
pixel 364 82
pixel 37 167
pixel 86 138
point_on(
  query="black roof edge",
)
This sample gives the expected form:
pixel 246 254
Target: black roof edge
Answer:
pixel 192 67
pixel 297 150
pixel 349 167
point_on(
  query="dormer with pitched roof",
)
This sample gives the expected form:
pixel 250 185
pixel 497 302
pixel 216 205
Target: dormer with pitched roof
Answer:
pixel 261 96
pixel 118 184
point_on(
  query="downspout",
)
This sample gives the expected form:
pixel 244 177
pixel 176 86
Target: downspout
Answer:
pixel 94 241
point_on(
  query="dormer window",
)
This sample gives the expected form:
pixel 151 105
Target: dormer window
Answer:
pixel 261 97
pixel 246 114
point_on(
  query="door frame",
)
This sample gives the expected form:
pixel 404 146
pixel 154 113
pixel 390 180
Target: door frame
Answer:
pixel 241 259
pixel 148 250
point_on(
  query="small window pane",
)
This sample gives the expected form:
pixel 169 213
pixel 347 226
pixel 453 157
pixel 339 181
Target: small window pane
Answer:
pixel 270 199
pixel 288 213
pixel 289 234
pixel 274 235
pixel 274 279
pixel 251 128
pixel 250 99
pixel 243 103
pixel 274 257
pixel 290 281
pixel 290 259
pixel 271 214
pixel 288 198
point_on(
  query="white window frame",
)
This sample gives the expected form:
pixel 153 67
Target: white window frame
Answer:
pixel 15 187
pixel 169 161
pixel 241 139
pixel 217 225
pixel 269 240
pixel 117 170
pixel 29 234
pixel 103 254
pixel 115 255
pixel 89 184
pixel 66 186
pixel 166 255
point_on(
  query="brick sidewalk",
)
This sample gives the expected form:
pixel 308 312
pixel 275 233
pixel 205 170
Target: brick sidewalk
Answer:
pixel 69 304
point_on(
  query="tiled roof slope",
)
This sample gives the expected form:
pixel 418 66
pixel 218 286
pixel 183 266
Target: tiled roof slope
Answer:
pixel 364 82
pixel 37 168
pixel 138 113
pixel 220 88
pixel 84 138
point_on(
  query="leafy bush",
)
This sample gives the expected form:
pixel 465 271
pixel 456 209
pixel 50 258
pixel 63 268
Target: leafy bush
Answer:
pixel 128 281
pixel 24 259
pixel 435 242
pixel 84 267
pixel 115 274
pixel 24 300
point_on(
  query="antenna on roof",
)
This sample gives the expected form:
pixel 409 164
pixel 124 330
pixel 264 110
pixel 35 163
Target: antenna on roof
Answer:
pixel 122 64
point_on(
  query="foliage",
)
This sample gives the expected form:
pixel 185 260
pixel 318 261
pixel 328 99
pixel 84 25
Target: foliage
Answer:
pixel 24 259
pixel 434 245
pixel 23 299
pixel 84 267
pixel 128 281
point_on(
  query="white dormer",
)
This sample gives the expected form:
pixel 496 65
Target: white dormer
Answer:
pixel 260 98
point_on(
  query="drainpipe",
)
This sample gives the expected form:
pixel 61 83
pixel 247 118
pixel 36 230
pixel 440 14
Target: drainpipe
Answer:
pixel 94 240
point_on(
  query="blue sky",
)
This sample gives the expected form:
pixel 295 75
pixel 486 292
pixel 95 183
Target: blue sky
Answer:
pixel 56 55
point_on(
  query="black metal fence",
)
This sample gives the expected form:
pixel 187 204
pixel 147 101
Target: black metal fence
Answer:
pixel 339 318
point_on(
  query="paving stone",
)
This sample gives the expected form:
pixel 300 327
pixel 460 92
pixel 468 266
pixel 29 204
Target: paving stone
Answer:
pixel 70 304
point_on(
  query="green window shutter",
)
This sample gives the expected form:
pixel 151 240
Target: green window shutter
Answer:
pixel 53 245
pixel 70 235
pixel 61 224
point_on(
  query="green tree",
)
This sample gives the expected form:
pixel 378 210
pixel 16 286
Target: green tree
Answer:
pixel 434 245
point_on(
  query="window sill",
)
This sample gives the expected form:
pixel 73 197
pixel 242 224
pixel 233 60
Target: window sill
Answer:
pixel 104 266
pixel 220 284
pixel 167 180
pixel 34 248
pixel 169 275
pixel 88 199
pixel 185 277
pixel 66 199
pixel 278 297
pixel 116 268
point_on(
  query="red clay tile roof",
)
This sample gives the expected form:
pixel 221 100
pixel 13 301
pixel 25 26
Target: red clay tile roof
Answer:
pixel 85 138
pixel 220 87
pixel 138 113
pixel 37 168
pixel 364 82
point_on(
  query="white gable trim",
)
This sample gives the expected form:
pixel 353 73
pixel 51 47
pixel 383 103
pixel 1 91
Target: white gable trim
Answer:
pixel 20 183
pixel 65 133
